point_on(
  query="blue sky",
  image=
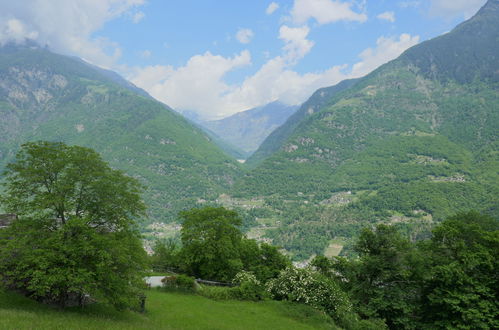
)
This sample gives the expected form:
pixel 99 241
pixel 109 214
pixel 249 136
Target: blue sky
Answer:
pixel 217 57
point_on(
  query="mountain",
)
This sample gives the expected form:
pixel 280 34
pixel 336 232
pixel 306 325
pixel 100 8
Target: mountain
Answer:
pixel 53 97
pixel 227 147
pixel 411 143
pixel 315 102
pixel 247 129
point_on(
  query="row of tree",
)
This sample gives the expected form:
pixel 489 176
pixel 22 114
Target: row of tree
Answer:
pixel 448 281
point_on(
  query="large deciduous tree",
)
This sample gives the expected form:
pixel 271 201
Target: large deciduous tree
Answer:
pixel 387 276
pixel 384 281
pixel 211 242
pixel 214 248
pixel 75 234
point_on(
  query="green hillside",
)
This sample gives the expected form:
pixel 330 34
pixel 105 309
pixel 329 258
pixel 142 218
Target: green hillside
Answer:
pixel 164 311
pixel 411 143
pixel 320 98
pixel 53 97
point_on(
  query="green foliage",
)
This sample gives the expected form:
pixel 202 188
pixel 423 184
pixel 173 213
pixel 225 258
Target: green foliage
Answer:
pixel 217 292
pixel 85 106
pixel 384 282
pixel 51 179
pixel 213 247
pixel 448 281
pixel 248 287
pixel 75 234
pixel 277 138
pixel 263 260
pixel 416 136
pixel 166 256
pixel 454 56
pixel 211 243
pixel 461 288
pixel 311 288
pixel 182 282
pixel 165 310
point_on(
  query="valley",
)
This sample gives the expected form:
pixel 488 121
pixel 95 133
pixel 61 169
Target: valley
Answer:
pixel 402 145
pixel 309 164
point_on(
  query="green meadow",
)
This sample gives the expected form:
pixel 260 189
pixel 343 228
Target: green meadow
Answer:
pixel 164 310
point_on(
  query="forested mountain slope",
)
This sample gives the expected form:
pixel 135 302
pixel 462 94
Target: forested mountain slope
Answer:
pixel 247 129
pixel 415 140
pixel 273 142
pixel 53 97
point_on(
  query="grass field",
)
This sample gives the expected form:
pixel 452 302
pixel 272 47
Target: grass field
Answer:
pixel 334 248
pixel 165 310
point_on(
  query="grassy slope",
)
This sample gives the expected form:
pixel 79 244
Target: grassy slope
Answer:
pixel 164 311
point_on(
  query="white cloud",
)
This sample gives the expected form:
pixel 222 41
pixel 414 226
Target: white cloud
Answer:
pixel 244 36
pixel 324 11
pixel 453 8
pixel 386 50
pixel 66 26
pixel 199 85
pixel 296 43
pixel 14 30
pixel 275 80
pixel 273 6
pixel 387 16
pixel 138 16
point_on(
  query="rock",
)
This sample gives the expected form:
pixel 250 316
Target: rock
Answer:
pixel 6 219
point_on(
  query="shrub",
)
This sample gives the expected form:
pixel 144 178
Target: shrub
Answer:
pixel 248 287
pixel 182 282
pixel 216 292
pixel 311 288
pixel 245 277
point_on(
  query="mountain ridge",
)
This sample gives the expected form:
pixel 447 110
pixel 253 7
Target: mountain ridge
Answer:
pixel 247 129
pixel 316 101
pixel 54 97
pixel 408 144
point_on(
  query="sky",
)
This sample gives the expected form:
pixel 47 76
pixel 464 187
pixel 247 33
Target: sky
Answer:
pixel 218 57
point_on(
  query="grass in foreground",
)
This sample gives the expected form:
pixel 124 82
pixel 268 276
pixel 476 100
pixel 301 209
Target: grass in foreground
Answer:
pixel 165 310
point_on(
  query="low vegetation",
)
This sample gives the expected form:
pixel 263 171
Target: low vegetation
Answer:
pixel 165 310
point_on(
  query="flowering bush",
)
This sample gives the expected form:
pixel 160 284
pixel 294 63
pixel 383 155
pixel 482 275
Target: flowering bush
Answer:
pixel 248 287
pixel 245 277
pixel 311 288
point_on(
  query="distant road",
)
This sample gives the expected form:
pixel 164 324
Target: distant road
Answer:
pixel 154 281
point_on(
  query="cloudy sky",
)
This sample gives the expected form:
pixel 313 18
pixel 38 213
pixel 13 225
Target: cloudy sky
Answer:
pixel 218 57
